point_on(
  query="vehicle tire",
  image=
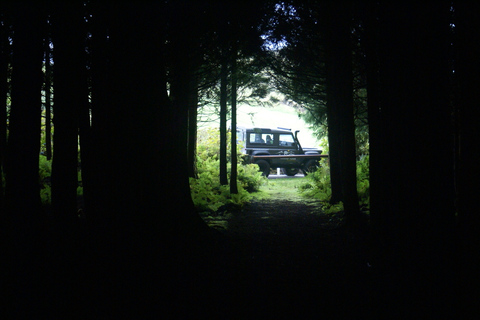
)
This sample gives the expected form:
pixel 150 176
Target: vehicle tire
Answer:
pixel 310 166
pixel 290 171
pixel 264 167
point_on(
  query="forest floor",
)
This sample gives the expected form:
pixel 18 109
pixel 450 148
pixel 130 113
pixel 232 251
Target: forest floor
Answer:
pixel 293 261
pixel 284 258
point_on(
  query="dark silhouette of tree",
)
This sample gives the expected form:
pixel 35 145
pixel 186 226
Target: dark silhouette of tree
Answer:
pixel 223 118
pixel 467 66
pixel 22 187
pixel 233 141
pixel 23 223
pixel 70 96
pixel 48 93
pixel 340 114
pixel 409 113
pixel 192 127
pixel 5 53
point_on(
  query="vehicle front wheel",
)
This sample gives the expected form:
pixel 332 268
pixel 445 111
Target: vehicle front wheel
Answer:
pixel 310 166
pixel 264 167
pixel 291 171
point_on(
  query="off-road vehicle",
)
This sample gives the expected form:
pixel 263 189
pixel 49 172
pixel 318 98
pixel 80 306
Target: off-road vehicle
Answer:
pixel 277 148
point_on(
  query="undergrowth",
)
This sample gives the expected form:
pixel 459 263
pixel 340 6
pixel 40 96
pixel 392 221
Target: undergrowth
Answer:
pixel 44 175
pixel 318 186
pixel 207 193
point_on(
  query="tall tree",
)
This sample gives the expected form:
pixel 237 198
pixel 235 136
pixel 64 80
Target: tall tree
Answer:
pixel 48 93
pixel 22 189
pixel 233 142
pixel 339 76
pixel 376 128
pixel 467 67
pixel 24 221
pixel 192 127
pixel 413 113
pixel 223 117
pixel 94 147
pixel 70 96
pixel 4 58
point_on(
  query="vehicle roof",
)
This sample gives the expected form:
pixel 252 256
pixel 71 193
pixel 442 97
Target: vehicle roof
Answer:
pixel 267 130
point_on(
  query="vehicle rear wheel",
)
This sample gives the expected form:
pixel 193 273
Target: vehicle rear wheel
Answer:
pixel 310 166
pixel 291 171
pixel 264 167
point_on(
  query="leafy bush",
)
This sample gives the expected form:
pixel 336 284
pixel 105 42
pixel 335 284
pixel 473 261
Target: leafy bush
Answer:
pixel 44 174
pixel 207 193
pixel 363 181
pixel 318 185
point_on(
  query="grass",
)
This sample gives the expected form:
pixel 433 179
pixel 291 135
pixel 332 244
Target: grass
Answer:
pixel 283 188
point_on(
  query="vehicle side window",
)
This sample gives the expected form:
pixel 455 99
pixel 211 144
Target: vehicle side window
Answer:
pixel 261 138
pixel 286 140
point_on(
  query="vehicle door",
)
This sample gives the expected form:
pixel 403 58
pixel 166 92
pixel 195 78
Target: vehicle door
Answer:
pixel 286 145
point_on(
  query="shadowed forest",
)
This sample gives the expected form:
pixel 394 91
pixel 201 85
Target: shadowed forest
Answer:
pixel 119 85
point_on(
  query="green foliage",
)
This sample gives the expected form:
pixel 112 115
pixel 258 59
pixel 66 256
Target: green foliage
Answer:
pixel 318 186
pixel 363 181
pixel 46 196
pixel 44 174
pixel 207 193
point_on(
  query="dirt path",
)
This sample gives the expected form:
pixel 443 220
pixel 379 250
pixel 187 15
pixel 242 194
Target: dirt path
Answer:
pixel 296 261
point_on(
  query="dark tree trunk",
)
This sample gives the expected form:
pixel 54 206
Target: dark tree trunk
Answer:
pixel 233 142
pixel 192 128
pixel 334 157
pixel 143 129
pixel 48 104
pixel 467 68
pixel 339 80
pixel 87 160
pixel 98 146
pixel 70 95
pixel 223 120
pixel 4 58
pixel 148 212
pixel 414 116
pixel 25 119
pixel 377 152
pixel 24 222
pixel 183 107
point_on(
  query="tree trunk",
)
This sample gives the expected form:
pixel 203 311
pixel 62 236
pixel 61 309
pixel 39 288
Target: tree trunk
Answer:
pixel 48 104
pixel 376 127
pixel 98 146
pixel 339 79
pixel 192 128
pixel 4 57
pixel 25 118
pixel 223 120
pixel 24 224
pixel 415 119
pixel 233 143
pixel 70 80
pixel 334 158
pixel 467 95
